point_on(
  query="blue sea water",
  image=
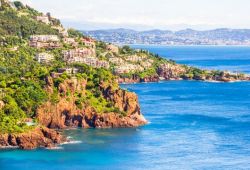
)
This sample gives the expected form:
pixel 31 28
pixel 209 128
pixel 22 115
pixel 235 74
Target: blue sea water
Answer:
pixel 232 58
pixel 193 125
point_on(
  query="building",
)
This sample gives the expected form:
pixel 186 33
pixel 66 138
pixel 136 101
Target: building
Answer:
pixel 70 41
pixel 86 56
pixel 45 41
pixel 128 68
pixel 112 48
pixel 116 60
pixel 78 55
pixel 135 58
pixel 89 42
pixel 69 71
pixel 44 57
pixel 44 38
pixel 44 19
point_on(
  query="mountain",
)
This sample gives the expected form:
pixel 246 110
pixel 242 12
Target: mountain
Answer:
pixel 221 36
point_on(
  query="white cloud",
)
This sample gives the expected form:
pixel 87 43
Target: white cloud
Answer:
pixel 150 13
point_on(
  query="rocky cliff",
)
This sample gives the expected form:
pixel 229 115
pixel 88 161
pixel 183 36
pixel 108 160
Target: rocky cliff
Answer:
pixel 65 113
pixel 38 137
pixel 137 79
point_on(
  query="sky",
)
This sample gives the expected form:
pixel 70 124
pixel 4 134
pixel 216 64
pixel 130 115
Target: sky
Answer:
pixel 147 14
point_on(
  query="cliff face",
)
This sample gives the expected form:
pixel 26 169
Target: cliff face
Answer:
pixel 66 114
pixel 170 72
pixel 38 137
pixel 135 79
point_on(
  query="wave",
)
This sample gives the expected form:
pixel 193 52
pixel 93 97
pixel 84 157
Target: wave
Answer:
pixel 71 142
pixel 9 147
pixel 55 148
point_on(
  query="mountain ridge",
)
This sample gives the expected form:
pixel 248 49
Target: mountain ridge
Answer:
pixel 219 36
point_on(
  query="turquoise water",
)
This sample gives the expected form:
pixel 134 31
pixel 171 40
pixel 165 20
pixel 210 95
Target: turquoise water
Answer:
pixel 193 125
pixel 232 58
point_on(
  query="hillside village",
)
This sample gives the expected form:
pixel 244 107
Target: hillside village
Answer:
pixel 83 50
pixel 71 47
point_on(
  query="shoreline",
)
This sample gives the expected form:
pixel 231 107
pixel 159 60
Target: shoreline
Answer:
pixel 207 81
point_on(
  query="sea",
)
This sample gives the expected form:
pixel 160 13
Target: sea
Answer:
pixel 192 124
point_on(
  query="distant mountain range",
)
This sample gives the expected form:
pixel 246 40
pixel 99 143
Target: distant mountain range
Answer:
pixel 222 36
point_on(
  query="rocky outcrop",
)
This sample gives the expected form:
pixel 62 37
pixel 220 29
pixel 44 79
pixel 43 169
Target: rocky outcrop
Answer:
pixel 136 79
pixel 171 71
pixel 65 113
pixel 38 137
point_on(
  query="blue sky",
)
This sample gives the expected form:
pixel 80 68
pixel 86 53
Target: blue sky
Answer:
pixel 148 14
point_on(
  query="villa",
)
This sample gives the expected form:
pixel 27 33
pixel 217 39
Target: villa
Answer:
pixel 70 41
pixel 44 57
pixel 44 41
pixel 78 55
pixel 135 58
pixel 89 42
pixel 84 55
pixel 70 71
pixel 116 60
pixel 95 62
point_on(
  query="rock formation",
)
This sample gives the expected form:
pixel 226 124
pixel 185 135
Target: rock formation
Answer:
pixel 38 137
pixel 65 113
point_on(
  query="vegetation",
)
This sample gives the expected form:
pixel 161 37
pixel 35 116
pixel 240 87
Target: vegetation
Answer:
pixel 23 80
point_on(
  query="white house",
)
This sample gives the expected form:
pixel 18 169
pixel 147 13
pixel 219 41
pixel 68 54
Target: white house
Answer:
pixel 44 57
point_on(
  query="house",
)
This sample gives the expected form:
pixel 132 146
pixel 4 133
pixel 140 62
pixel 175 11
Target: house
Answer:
pixel 70 41
pixel 112 48
pixel 135 58
pixel 77 55
pixel 95 62
pixel 45 41
pixel 69 71
pixel 128 68
pixel 44 38
pixel 116 60
pixel 44 19
pixel 44 57
pixel 89 42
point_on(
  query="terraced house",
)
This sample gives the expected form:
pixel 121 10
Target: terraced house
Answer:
pixel 78 55
pixel 89 42
pixel 70 41
pixel 44 41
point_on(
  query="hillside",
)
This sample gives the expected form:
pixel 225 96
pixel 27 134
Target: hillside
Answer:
pixel 54 78
pixel 221 36
pixel 39 89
